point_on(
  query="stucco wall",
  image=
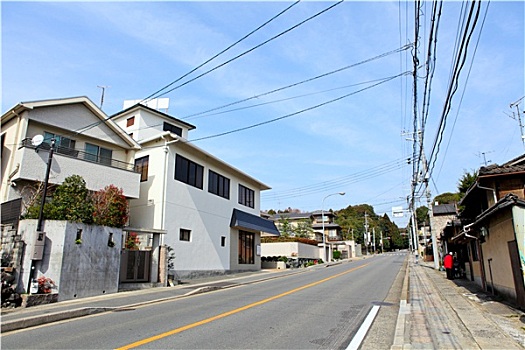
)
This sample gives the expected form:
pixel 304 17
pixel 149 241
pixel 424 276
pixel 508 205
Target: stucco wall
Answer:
pixel 288 249
pixel 74 117
pixel 97 176
pixel 79 270
pixel 496 248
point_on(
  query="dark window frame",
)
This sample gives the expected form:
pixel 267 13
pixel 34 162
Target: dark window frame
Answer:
pixel 218 184
pixel 189 172
pixel 98 157
pixel 246 196
pixel 172 128
pixel 63 145
pixel 141 166
pixel 184 235
pixel 130 121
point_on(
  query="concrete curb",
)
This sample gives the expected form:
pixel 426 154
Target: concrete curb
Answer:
pixel 404 310
pixel 53 317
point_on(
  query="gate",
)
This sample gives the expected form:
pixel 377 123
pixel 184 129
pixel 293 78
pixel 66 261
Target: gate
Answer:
pixel 135 265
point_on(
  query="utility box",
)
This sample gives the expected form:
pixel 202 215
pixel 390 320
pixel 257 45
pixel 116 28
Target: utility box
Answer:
pixel 38 248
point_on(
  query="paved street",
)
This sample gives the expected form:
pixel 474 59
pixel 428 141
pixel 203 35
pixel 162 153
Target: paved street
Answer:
pixel 323 307
pixel 318 308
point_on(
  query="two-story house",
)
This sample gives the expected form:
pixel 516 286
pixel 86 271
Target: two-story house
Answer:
pixel 493 234
pixel 86 143
pixel 208 209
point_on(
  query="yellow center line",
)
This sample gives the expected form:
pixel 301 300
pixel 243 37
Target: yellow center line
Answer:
pixel 231 312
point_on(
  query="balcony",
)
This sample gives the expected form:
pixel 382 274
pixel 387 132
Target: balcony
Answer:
pixel 98 172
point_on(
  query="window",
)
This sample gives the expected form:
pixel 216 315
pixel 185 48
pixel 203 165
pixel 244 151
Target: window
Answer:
pixel 188 172
pixel 218 184
pixel 246 248
pixel 63 145
pixel 130 121
pixel 184 235
pixel 223 241
pixel 141 166
pixel 98 154
pixel 246 196
pixel 172 128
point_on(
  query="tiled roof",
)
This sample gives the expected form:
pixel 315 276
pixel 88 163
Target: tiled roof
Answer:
pixel 444 209
pixel 495 169
pixel 516 165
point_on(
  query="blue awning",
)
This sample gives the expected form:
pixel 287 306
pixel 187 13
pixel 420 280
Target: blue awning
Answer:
pixel 249 222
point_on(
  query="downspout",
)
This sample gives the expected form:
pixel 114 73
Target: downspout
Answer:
pixel 165 180
pixel 488 189
pixel 482 261
pixel 12 157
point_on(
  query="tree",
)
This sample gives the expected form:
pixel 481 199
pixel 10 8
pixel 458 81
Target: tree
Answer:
pixel 422 215
pixel 304 229
pixel 447 198
pixel 466 180
pixel 70 202
pixel 285 228
pixel 110 207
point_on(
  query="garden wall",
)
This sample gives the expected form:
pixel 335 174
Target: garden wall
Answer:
pixel 83 269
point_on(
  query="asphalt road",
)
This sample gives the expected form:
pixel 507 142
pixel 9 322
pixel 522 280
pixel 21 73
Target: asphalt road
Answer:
pixel 322 308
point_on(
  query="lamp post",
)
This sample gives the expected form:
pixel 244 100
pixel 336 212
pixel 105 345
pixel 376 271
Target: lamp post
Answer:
pixel 39 244
pixel 322 219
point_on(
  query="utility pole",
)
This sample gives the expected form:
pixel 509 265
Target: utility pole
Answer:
pixel 102 96
pixel 374 239
pixel 367 236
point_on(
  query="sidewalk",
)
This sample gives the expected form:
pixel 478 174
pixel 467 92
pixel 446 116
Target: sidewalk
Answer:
pixel 445 314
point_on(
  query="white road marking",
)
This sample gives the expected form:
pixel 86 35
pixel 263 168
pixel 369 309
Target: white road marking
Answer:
pixel 360 335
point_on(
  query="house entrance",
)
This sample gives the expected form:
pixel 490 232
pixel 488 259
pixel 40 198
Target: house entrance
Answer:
pixel 135 261
pixel 135 265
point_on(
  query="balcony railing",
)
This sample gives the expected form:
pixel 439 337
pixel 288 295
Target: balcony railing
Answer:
pixel 88 157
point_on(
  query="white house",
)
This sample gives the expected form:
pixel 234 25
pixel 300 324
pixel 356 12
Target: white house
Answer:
pixel 87 143
pixel 208 209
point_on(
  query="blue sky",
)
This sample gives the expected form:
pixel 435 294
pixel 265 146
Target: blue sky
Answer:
pixel 354 144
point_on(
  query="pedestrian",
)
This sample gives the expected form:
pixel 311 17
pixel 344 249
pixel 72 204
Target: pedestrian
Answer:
pixel 448 263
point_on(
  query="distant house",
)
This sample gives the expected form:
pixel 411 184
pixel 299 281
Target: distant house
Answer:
pixel 492 239
pixel 88 144
pixel 208 210
pixel 442 217
pixel 311 223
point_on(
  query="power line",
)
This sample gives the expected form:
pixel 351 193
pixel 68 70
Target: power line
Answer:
pixel 252 49
pixel 461 58
pixel 403 48
pixel 223 51
pixel 298 112
pixel 337 183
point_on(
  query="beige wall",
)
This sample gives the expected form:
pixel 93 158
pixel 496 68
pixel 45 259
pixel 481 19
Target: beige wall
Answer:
pixel 495 247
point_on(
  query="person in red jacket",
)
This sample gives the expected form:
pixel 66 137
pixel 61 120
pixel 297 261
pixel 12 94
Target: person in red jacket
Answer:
pixel 448 264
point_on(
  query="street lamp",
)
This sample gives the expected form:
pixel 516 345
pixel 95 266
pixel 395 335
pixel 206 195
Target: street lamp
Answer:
pixel 322 218
pixel 39 244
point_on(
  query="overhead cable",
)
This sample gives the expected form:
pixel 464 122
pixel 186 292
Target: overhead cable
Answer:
pixel 252 49
pixel 403 48
pixel 298 112
pixel 221 52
